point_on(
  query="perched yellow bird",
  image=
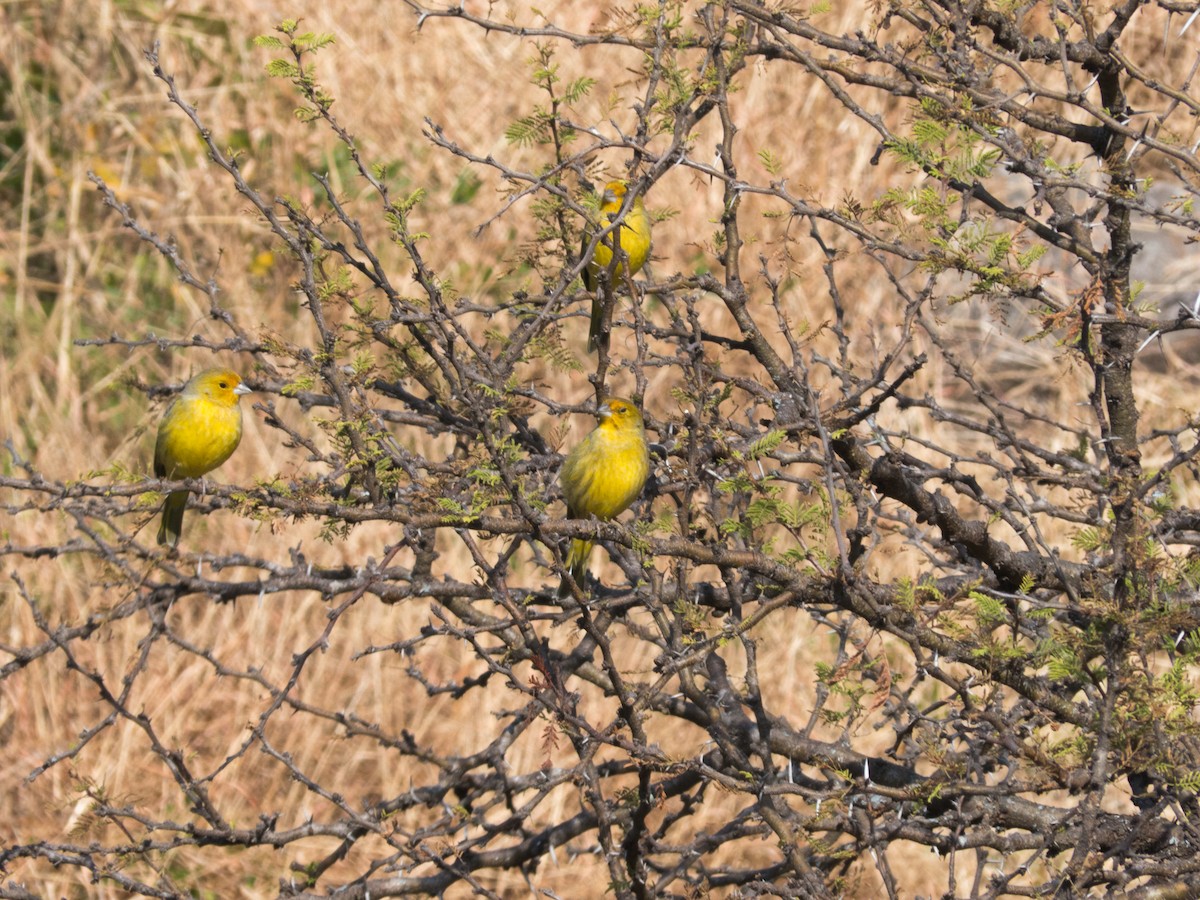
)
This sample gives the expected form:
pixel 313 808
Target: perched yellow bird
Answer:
pixel 632 238
pixel 603 475
pixel 200 430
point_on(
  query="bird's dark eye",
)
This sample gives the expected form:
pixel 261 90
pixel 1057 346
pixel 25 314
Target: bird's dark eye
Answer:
pixel 223 385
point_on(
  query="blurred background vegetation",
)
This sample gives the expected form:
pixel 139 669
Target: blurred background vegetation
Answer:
pixel 77 96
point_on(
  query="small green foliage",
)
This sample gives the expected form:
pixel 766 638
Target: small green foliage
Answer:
pixel 694 617
pixel 1027 257
pixel 735 527
pixel 340 282
pixel 301 76
pixel 1064 665
pixel 116 471
pixel 578 89
pixel 150 500
pixel 453 511
pixel 301 385
pixel 529 130
pixel 282 68
pixel 772 163
pixel 310 41
pixel 762 510
pixel 989 611
pixel 767 443
pixel 906 595
pixel 739 482
pixel 545 124
pixel 639 541
pixel 485 476
pixel 549 347
pixel 929 132
pixel 1090 539
pixel 946 144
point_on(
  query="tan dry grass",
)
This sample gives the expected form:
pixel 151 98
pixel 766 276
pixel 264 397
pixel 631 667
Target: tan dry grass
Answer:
pixel 67 270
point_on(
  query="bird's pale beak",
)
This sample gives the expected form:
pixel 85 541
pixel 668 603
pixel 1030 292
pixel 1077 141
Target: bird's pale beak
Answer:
pixel 242 389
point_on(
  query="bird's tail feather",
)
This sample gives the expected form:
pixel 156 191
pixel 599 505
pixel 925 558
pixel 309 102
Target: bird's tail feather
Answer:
pixel 172 518
pixel 598 331
pixel 577 565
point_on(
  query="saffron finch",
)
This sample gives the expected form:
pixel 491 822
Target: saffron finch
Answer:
pixel 200 430
pixel 632 239
pixel 603 475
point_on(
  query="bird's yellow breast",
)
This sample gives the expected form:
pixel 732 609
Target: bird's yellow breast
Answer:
pixel 196 436
pixel 605 473
pixel 633 237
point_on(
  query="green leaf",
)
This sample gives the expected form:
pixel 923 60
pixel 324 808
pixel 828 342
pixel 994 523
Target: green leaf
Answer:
pixel 767 443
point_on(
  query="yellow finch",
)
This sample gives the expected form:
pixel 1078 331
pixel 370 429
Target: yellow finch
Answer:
pixel 603 475
pixel 200 430
pixel 632 238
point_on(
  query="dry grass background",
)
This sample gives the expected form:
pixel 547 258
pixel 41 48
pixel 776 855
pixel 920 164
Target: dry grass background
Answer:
pixel 81 98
